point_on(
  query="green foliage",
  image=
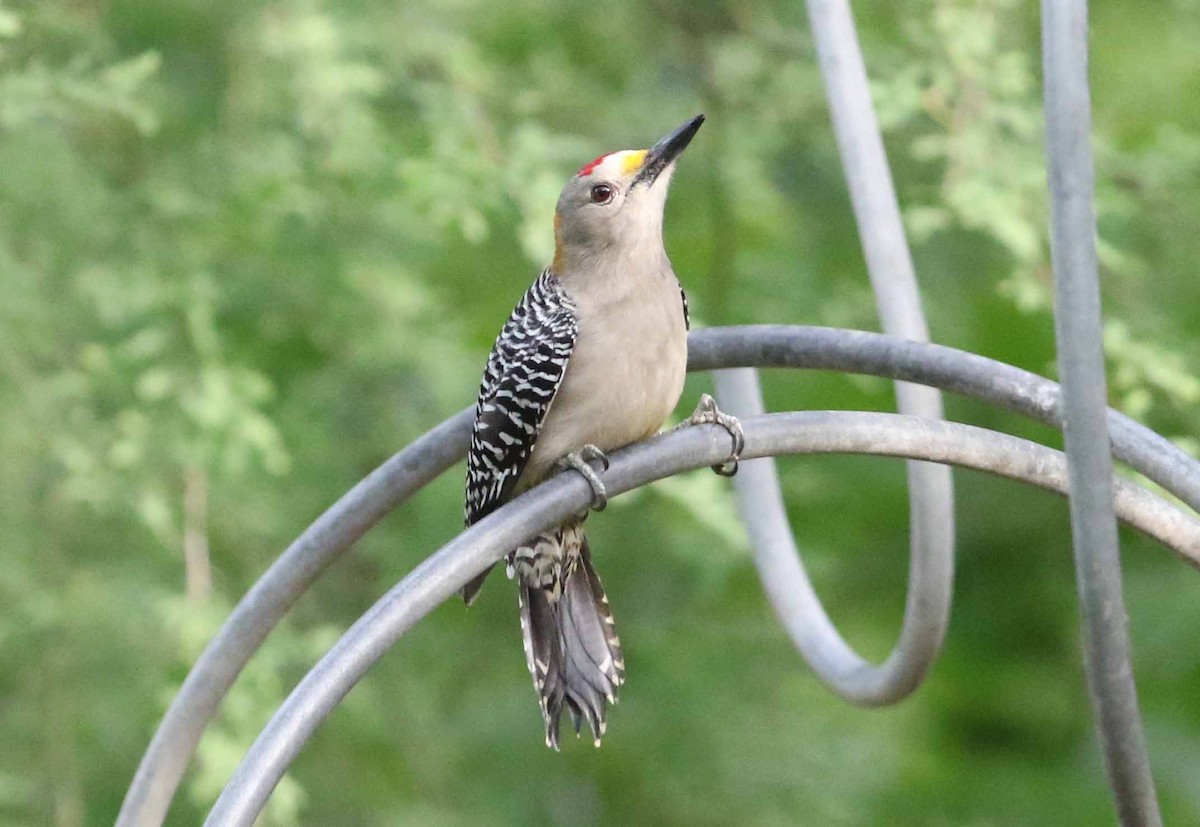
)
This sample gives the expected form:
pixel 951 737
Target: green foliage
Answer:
pixel 248 250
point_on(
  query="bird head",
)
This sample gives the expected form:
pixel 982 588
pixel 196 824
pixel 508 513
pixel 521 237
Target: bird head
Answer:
pixel 615 203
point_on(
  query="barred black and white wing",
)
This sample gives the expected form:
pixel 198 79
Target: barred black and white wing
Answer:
pixel 522 377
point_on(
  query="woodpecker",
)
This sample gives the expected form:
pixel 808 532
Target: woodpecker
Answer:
pixel 591 359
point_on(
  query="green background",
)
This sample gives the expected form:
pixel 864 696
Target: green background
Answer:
pixel 250 249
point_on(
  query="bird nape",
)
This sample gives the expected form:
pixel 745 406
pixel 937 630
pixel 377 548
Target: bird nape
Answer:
pixel 591 359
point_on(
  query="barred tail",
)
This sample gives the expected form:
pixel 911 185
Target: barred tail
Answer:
pixel 572 649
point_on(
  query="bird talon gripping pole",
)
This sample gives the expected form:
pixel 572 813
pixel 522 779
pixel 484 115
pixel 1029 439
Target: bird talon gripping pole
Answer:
pixel 581 461
pixel 707 413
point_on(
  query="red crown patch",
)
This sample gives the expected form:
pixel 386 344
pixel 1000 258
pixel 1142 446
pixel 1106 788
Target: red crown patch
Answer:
pixel 587 168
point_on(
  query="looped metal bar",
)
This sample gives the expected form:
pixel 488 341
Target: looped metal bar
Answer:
pixel 905 358
pixel 898 300
pixel 443 574
pixel 1005 386
pixel 786 583
pixel 1094 497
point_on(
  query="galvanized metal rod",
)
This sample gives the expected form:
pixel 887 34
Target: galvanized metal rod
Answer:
pixel 443 574
pixel 956 371
pixel 164 763
pixel 1077 322
pixel 781 569
pixel 898 299
pixel 368 502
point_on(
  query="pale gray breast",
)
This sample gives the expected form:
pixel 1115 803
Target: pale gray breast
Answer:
pixel 624 377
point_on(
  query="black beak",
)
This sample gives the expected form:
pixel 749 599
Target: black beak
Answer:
pixel 666 151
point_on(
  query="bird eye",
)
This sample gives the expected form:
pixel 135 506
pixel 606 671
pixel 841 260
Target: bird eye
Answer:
pixel 603 193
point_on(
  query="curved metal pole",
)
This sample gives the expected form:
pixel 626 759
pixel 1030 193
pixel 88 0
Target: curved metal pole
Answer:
pixel 444 573
pixel 1077 324
pixel 782 572
pixel 898 300
pixel 956 371
pixel 254 617
pixel 164 763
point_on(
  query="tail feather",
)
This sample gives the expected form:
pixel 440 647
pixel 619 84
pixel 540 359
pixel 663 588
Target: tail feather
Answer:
pixel 572 649
pixel 543 653
pixel 607 624
pixel 471 590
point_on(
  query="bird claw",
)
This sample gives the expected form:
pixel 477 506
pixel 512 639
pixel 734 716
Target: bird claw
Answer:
pixel 707 413
pixel 580 461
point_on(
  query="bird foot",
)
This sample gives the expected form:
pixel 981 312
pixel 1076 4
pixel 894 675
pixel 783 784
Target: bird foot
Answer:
pixel 707 413
pixel 581 461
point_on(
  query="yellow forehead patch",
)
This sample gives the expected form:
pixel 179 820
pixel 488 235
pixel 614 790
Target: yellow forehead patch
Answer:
pixel 632 159
pixel 614 163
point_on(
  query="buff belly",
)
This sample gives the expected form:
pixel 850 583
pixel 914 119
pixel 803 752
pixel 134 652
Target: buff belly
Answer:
pixel 635 374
